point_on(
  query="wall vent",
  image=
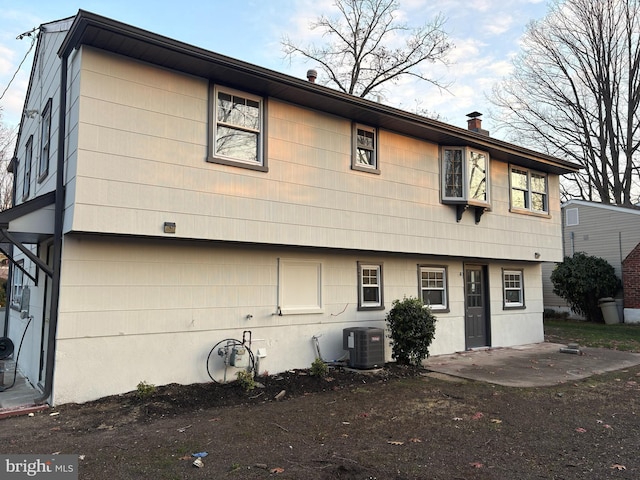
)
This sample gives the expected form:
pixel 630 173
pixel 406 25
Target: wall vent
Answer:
pixel 571 217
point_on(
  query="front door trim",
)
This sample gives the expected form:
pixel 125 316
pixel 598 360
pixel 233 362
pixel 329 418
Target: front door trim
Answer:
pixel 477 314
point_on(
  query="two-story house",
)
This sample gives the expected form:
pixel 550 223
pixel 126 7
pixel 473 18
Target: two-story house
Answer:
pixel 169 198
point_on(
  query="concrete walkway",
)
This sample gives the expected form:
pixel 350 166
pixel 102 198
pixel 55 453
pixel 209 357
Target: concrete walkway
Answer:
pixel 540 364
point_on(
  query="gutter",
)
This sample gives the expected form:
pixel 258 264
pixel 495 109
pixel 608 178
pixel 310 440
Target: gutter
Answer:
pixel 12 166
pixel 57 237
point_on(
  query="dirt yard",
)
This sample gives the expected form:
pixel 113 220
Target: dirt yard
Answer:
pixel 398 424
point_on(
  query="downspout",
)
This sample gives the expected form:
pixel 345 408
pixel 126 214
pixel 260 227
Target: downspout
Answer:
pixel 7 306
pixel 57 237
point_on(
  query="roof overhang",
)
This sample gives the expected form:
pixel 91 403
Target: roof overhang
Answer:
pixel 29 223
pixel 107 34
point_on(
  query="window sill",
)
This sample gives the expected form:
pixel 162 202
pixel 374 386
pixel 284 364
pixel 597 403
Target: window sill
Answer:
pixel 299 311
pixel 362 308
pixel 439 310
pixel 523 211
pixel 372 170
pixel 237 163
pixel 514 307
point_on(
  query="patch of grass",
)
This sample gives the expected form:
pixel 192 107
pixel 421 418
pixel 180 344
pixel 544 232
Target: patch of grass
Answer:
pixel 587 334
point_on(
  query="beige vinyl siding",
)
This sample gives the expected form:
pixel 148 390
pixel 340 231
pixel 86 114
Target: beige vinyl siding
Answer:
pixel 141 156
pixel 161 305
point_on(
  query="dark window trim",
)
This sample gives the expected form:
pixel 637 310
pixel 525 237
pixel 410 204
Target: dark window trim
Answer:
pixel 43 161
pixel 446 308
pixel 380 283
pixel 504 290
pixel 354 149
pixel 28 163
pixel 260 167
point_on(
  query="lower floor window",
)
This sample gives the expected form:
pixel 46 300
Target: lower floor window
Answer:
pixel 370 286
pixel 433 287
pixel 513 288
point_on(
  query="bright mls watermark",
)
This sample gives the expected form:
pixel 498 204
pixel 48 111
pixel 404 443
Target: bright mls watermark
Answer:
pixel 52 467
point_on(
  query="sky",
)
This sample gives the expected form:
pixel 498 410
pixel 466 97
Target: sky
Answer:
pixel 486 35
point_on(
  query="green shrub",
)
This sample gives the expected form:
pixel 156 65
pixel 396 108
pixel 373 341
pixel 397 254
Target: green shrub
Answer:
pixel 582 280
pixel 319 368
pixel 412 327
pixel 145 389
pixel 246 380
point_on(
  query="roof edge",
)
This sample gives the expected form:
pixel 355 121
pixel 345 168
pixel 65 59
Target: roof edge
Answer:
pixel 84 20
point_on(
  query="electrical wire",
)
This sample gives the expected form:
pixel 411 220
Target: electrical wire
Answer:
pixel 15 370
pixel 33 41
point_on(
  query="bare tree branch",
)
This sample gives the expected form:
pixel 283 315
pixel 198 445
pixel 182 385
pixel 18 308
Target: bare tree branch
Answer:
pixel 359 58
pixel 575 93
pixel 7 138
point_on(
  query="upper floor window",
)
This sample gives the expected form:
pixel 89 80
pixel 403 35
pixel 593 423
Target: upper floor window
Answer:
pixel 26 177
pixel 433 287
pixel 370 286
pixel 237 135
pixel 529 190
pixel 45 142
pixel 513 286
pixel 465 176
pixel 365 149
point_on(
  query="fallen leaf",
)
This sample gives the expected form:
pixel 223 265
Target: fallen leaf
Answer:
pixel 393 442
pixel 277 470
pixel 478 416
pixel 617 466
pixel 476 465
pixel 186 457
pixel 581 430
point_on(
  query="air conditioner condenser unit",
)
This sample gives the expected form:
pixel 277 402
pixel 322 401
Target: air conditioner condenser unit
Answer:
pixel 365 346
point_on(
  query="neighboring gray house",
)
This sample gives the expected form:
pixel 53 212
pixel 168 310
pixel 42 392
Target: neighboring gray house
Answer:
pixel 607 231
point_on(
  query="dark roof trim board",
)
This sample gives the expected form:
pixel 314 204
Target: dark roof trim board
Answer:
pixel 113 36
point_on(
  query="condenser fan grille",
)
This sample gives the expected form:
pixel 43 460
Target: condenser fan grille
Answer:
pixel 6 347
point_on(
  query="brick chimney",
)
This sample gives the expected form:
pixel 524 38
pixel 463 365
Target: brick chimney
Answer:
pixel 475 123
